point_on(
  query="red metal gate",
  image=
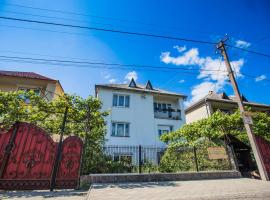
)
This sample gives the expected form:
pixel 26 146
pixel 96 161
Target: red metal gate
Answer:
pixel 27 158
pixel 264 147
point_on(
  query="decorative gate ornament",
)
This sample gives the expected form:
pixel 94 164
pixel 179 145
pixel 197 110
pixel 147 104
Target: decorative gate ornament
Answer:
pixel 69 168
pixel 27 157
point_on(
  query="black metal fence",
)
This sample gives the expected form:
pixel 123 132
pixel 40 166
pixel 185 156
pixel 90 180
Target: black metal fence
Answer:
pixel 149 159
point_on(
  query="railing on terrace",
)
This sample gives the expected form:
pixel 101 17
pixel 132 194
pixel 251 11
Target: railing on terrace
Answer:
pixel 176 115
pixel 149 159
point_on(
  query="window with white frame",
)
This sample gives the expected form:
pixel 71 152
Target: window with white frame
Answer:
pixel 120 100
pixel 120 129
pixel 163 129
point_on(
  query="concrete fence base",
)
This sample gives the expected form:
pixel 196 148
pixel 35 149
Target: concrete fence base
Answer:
pixel 153 177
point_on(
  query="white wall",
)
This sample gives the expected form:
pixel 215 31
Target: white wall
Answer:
pixel 140 115
pixel 169 122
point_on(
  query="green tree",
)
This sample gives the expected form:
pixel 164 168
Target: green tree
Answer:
pixel 84 119
pixel 209 132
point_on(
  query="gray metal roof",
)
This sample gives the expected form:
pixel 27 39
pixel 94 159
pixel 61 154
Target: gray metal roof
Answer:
pixel 138 88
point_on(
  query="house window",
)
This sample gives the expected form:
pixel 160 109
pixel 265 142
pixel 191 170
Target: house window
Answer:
pixel 158 107
pixel 121 100
pixel 125 158
pixel 120 129
pixel 163 129
pixel 35 90
pixel 225 111
pixel 164 107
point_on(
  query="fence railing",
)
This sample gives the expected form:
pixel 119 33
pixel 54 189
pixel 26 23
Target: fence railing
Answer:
pixel 148 159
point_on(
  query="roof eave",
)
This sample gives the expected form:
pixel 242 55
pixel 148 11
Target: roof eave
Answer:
pixel 146 91
pixel 200 102
pixel 43 79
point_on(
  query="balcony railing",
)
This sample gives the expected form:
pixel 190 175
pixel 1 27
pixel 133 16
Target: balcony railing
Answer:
pixel 168 114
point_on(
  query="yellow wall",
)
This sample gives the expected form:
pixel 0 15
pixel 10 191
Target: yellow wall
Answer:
pixel 14 83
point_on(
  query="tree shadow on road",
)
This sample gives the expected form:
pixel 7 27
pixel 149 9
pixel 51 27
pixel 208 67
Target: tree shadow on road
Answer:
pixel 42 193
pixel 135 185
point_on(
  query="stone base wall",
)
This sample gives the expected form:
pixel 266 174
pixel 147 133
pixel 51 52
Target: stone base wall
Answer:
pixel 153 177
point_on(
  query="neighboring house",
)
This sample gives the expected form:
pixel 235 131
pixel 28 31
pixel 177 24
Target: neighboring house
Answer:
pixel 41 85
pixel 139 115
pixel 214 101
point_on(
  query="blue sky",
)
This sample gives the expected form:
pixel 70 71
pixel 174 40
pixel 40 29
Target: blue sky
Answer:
pixel 246 22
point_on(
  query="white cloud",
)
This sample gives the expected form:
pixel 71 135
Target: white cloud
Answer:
pixel 107 76
pixel 131 75
pixel 242 44
pixel 180 49
pixel 181 81
pixel 202 89
pixel 190 57
pixel 113 80
pixel 260 78
pixel 212 79
pixel 210 66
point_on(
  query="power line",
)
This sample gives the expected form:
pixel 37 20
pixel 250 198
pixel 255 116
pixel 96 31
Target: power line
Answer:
pixel 254 77
pixel 156 27
pixel 98 65
pixel 53 17
pixel 76 13
pixel 129 33
pixel 107 30
pixel 45 30
pixel 249 51
pixel 100 17
pixel 87 63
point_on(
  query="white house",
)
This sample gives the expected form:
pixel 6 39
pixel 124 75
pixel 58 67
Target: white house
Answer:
pixel 139 114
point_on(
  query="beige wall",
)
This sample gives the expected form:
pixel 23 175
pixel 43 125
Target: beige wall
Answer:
pixel 197 114
pixel 58 90
pixel 202 112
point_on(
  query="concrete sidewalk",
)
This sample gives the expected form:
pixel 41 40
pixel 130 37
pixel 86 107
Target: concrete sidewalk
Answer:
pixel 179 190
pixel 42 194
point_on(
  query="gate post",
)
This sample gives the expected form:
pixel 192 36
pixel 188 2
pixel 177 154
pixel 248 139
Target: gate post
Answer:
pixel 195 158
pixel 140 159
pixel 8 149
pixel 58 153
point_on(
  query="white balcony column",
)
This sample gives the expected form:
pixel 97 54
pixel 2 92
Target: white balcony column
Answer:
pixel 181 107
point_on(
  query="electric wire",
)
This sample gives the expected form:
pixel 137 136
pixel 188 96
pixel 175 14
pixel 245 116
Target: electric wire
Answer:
pixel 107 30
pixel 129 33
pixel 99 63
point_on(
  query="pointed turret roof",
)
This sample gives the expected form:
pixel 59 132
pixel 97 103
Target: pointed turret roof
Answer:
pixel 132 83
pixel 149 85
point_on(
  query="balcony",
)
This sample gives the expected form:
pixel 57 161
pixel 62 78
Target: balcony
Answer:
pixel 168 114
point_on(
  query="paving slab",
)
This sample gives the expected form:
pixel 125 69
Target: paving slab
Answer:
pixel 41 195
pixel 179 190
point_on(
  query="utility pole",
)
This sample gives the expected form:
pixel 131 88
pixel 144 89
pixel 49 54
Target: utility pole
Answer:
pixel 252 139
pixel 59 151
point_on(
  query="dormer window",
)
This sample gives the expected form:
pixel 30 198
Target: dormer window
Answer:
pixel 132 84
pixel 149 86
